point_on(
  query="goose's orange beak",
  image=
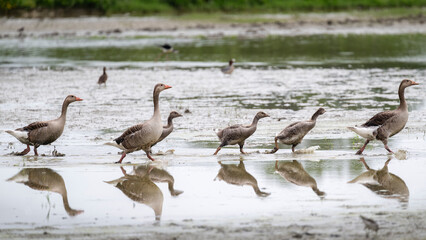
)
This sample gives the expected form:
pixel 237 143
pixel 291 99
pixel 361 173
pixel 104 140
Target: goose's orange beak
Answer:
pixel 414 83
pixel 167 86
pixel 78 99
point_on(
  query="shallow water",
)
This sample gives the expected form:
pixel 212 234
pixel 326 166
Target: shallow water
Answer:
pixel 350 96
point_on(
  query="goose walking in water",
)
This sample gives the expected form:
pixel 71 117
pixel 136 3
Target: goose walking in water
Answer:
pixel 294 133
pixel 237 134
pixel 230 68
pixel 144 135
pixel 384 125
pixel 43 133
pixel 103 78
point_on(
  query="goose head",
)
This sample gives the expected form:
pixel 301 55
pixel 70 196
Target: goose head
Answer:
pixel 261 115
pixel 160 87
pixel 231 61
pixel 174 114
pixel 72 98
pixel 407 82
pixel 321 111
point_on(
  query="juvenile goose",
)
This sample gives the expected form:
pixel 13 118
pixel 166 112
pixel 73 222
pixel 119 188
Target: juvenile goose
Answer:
pixel 144 135
pixel 45 179
pixel 43 133
pixel 237 134
pixel 295 173
pixel 294 133
pixel 169 127
pixel 230 68
pixel 103 78
pixel 384 125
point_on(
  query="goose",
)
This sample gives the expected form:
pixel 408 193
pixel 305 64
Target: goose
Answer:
pixel 237 175
pixel 45 179
pixel 169 127
pixel 237 134
pixel 45 132
pixel 230 68
pixel 294 133
pixel 384 125
pixel 158 175
pixel 141 189
pixel 142 136
pixel 294 172
pixel 383 183
pixel 103 78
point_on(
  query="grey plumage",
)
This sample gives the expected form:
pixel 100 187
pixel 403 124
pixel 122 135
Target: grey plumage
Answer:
pixel 230 68
pixel 103 78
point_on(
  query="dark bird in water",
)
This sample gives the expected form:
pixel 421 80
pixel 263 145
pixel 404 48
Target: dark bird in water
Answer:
pixel 103 78
pixel 294 133
pixel 230 68
pixel 166 49
pixel 384 125
pixel 370 224
pixel 237 134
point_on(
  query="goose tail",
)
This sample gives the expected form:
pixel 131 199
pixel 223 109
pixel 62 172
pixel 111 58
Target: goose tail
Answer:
pixel 22 136
pixel 365 132
pixel 114 144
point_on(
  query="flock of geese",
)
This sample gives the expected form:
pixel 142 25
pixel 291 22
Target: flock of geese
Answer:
pixel 145 135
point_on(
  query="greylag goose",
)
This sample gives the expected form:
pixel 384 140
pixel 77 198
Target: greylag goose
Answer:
pixel 384 125
pixel 45 179
pixel 142 190
pixel 383 183
pixel 144 135
pixel 169 127
pixel 237 175
pixel 158 175
pixel 294 133
pixel 103 78
pixel 230 68
pixel 237 134
pixel 43 133
pixel 294 172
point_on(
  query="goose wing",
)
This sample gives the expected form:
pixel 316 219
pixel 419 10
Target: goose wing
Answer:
pixel 33 126
pixel 128 132
pixel 379 119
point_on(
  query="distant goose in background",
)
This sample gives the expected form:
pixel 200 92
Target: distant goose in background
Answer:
pixel 237 134
pixel 157 175
pixel 144 135
pixel 385 124
pixel 43 133
pixel 294 133
pixel 237 175
pixel 141 189
pixel 294 172
pixel 103 78
pixel 167 129
pixel 45 179
pixel 230 68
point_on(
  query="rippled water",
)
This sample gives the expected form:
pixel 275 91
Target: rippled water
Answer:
pixel 350 96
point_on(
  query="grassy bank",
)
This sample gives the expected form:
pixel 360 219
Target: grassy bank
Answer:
pixel 142 7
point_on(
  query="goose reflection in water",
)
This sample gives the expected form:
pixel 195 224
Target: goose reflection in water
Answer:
pixel 294 172
pixel 45 179
pixel 141 189
pixel 383 183
pixel 158 175
pixel 237 175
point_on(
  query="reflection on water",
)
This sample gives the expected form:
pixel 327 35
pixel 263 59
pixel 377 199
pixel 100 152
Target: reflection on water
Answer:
pixel 383 183
pixel 294 172
pixel 45 179
pixel 141 189
pixel 157 175
pixel 237 175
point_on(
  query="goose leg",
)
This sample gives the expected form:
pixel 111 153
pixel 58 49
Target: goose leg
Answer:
pixel 276 146
pixel 35 151
pixel 27 150
pixel 122 157
pixel 241 148
pixel 385 142
pixel 365 164
pixel 218 148
pixel 362 148
pixel 292 147
pixel 149 156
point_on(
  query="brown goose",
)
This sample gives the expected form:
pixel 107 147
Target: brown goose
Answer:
pixel 169 127
pixel 237 134
pixel 237 175
pixel 144 135
pixel 294 133
pixel 103 78
pixel 158 175
pixel 45 179
pixel 294 172
pixel 142 190
pixel 383 183
pixel 385 124
pixel 230 68
pixel 43 133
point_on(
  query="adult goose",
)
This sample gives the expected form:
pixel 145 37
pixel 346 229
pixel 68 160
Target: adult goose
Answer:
pixel 43 133
pixel 384 125
pixel 167 129
pixel 237 134
pixel 294 133
pixel 103 78
pixel 230 68
pixel 144 135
